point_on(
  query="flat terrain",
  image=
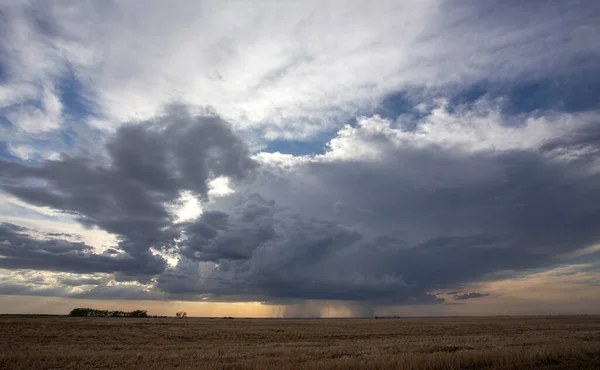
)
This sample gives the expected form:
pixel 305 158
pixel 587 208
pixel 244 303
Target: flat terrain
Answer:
pixel 432 343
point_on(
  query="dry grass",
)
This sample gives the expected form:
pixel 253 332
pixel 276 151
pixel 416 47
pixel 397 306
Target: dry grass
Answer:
pixel 444 343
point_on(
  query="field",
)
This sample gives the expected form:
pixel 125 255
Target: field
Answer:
pixel 431 343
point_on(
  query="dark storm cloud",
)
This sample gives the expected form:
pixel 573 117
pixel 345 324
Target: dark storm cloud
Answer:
pixel 298 258
pixel 465 296
pixel 148 164
pixel 216 235
pixel 418 220
pixel 507 198
pixel 317 259
pixel 386 231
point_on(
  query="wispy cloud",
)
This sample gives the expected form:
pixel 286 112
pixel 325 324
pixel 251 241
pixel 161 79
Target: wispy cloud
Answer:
pixel 290 69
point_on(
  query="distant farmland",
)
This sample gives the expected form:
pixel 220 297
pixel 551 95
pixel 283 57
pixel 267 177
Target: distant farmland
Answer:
pixel 431 343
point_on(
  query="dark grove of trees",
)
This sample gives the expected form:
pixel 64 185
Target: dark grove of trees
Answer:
pixel 90 312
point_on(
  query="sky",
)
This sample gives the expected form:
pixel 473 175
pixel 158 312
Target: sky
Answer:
pixel 300 159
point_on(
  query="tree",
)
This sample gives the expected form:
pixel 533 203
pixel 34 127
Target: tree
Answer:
pixel 80 312
pixel 90 312
pixel 138 313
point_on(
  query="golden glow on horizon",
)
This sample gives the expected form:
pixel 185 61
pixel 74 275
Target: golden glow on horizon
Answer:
pixel 548 292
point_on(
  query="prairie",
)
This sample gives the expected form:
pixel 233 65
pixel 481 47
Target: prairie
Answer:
pixel 561 342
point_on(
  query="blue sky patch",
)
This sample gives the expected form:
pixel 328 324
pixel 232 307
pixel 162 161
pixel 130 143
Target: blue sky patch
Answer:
pixel 297 147
pixel 72 95
pixel 395 104
pixel 4 153
pixel 568 94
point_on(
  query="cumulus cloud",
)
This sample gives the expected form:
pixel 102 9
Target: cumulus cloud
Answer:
pixel 390 228
pixel 284 256
pixel 423 214
pixel 127 193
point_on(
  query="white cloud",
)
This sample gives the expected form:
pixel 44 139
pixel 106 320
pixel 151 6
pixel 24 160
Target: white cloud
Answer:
pixel 31 152
pixel 291 69
pixel 14 93
pixel 281 161
pixel 47 220
pixel 219 187
pixel 97 238
pixel 22 151
pixel 34 119
pixel 482 129
pixel 186 208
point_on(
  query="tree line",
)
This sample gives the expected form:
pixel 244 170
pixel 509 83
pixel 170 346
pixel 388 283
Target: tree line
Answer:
pixel 90 312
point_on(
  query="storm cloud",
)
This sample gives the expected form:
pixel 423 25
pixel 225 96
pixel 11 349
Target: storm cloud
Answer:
pixel 146 167
pixel 392 228
pixel 379 229
pixel 449 143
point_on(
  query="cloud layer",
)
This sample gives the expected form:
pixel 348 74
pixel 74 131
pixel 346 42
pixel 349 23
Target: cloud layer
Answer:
pixel 290 70
pixel 400 216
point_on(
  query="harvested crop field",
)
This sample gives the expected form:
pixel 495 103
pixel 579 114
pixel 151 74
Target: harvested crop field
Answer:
pixel 428 343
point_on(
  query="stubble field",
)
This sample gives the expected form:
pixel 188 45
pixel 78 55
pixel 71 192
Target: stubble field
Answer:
pixel 431 343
